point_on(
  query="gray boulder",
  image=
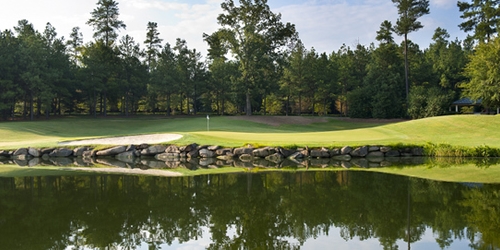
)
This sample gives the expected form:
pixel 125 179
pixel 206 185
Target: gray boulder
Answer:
pixel 224 151
pixel 242 151
pixel 205 153
pixel 417 151
pixel 297 155
pixel 34 152
pixel 172 149
pixel 335 151
pixel 263 152
pixel 345 150
pixel 385 149
pixel 61 152
pixel 111 151
pixel 79 151
pixel 320 153
pixel 20 151
pixel 392 153
pixel 359 152
pixel 154 150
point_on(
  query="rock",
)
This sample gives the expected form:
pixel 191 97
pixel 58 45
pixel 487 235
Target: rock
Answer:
pixel 406 154
pixel 224 151
pixel 335 151
pixel 385 149
pixel 417 151
pixel 193 153
pixel 392 153
pixel 154 150
pixel 89 153
pixel 305 151
pixel 34 152
pixel 20 151
pixel 142 146
pixel 373 148
pixel 320 153
pixel 188 148
pixel 205 153
pixel 61 152
pixel 46 151
pixel 213 148
pixel 296 155
pixel 111 151
pixel 21 163
pixel 345 150
pixel 263 152
pixel 359 152
pixel 242 151
pixel 172 149
pixel 5 154
pixel 375 154
pixel 285 152
pixel 130 148
pixel 78 152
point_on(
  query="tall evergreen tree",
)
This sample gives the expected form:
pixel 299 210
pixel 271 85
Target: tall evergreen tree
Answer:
pixel 482 18
pixel 153 43
pixel 409 12
pixel 104 20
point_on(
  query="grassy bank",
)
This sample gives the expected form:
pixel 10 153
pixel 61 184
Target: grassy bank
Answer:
pixel 466 131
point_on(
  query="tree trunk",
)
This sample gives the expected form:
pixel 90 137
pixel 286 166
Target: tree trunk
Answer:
pixel 168 105
pixel 300 103
pixel 248 103
pixel 406 69
pixel 105 99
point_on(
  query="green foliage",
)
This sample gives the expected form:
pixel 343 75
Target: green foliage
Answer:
pixel 359 101
pixel 428 102
pixel 273 105
pixel 484 74
pixel 481 18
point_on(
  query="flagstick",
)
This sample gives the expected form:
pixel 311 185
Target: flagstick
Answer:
pixel 208 123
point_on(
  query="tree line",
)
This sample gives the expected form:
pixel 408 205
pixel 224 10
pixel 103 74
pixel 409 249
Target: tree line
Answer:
pixel 255 63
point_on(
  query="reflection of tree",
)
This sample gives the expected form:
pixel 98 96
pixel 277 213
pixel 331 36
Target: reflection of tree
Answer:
pixel 250 211
pixel 484 215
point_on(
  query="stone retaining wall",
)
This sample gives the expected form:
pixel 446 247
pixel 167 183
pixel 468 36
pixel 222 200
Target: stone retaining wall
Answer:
pixel 172 153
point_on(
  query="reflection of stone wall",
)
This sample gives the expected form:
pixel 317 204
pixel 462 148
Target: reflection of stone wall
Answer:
pixel 194 156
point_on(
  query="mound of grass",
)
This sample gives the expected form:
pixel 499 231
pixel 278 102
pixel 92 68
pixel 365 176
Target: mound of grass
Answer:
pixel 458 131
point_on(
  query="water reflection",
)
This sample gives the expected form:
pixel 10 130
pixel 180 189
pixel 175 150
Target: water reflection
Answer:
pixel 278 210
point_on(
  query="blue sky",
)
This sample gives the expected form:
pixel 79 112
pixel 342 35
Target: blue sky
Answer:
pixel 322 24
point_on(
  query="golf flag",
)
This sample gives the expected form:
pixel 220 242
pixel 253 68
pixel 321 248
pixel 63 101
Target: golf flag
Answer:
pixel 208 117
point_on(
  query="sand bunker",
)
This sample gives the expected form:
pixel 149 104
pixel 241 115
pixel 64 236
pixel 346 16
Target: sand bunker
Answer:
pixel 125 140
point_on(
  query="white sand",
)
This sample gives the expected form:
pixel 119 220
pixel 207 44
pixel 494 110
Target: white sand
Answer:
pixel 125 140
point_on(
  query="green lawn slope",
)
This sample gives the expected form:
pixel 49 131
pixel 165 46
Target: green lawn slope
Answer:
pixel 463 130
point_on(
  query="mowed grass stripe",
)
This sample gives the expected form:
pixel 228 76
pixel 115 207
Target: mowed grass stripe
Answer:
pixel 465 130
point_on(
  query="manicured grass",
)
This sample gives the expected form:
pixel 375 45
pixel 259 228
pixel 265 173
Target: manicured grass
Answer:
pixel 466 130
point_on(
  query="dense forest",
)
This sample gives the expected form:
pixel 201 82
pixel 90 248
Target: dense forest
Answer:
pixel 255 64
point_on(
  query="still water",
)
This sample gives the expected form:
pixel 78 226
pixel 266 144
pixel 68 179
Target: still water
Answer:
pixel 275 210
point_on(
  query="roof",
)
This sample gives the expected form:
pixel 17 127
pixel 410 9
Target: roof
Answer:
pixel 467 102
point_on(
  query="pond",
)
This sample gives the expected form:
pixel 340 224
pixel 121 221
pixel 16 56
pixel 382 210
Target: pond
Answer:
pixel 272 210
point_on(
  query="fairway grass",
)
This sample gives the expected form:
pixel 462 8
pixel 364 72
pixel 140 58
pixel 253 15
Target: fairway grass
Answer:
pixel 463 130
